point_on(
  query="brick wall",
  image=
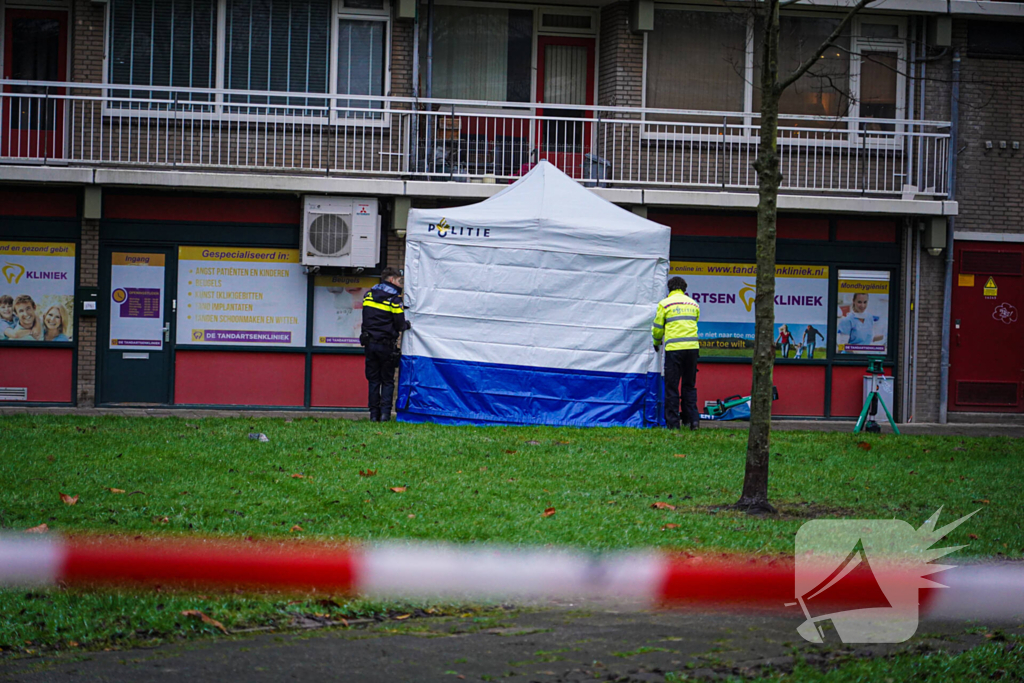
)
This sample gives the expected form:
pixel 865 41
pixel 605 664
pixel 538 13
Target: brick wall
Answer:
pixel 87 41
pixel 621 62
pixel 88 276
pixel 989 191
pixel 401 57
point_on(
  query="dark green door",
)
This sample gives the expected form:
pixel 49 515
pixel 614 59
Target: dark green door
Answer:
pixel 135 325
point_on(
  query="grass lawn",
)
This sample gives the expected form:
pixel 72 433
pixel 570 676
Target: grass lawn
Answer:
pixel 462 484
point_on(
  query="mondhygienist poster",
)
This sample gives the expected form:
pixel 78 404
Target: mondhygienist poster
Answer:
pixel 241 296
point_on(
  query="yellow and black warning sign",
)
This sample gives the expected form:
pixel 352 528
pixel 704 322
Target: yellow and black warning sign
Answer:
pixel 990 288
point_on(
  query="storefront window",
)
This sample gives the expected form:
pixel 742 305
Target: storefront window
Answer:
pixel 725 292
pixel 231 296
pixel 862 315
pixel 338 309
pixel 37 292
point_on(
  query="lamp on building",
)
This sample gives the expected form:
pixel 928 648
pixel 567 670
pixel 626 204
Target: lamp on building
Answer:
pixel 400 217
pixel 934 237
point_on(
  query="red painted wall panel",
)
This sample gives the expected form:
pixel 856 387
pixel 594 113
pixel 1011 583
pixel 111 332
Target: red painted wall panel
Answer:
pixel 45 372
pixel 802 228
pixel 38 203
pixel 801 387
pixel 202 208
pixel 866 231
pixel 233 378
pixel 338 382
pixel 848 390
pixel 707 226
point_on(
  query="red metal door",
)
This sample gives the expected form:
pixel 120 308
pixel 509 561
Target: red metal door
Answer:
pixel 32 116
pixel 987 339
pixel 565 76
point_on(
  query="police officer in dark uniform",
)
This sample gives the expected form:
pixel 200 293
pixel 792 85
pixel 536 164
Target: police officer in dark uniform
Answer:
pixel 383 322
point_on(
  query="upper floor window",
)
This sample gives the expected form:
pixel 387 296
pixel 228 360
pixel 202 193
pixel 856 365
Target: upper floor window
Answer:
pixel 480 53
pixel 280 46
pixel 166 43
pixel 710 61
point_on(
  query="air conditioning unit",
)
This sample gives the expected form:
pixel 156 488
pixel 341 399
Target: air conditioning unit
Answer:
pixel 340 231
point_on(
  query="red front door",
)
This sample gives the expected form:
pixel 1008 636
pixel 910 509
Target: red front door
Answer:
pixel 565 76
pixel 32 116
pixel 986 352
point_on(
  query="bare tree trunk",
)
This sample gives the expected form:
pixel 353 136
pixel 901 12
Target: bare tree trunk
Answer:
pixel 754 498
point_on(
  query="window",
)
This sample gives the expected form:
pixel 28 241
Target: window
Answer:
pixel 696 60
pixel 823 90
pixel 711 61
pixel 480 53
pixel 280 45
pixel 361 56
pixel 995 39
pixel 163 42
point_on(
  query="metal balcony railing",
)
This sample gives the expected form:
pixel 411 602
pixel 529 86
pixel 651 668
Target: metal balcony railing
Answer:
pixel 458 140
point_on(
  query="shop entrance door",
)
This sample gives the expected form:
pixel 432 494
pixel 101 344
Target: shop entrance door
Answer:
pixel 135 337
pixel 986 351
pixel 35 49
pixel 565 76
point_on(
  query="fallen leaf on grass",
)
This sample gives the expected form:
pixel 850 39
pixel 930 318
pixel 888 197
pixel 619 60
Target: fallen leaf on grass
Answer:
pixel 679 455
pixel 68 500
pixel 663 506
pixel 412 516
pixel 864 445
pixel 510 452
pixel 403 616
pixel 983 501
pixel 670 526
pixel 367 473
pixel 298 476
pixel 398 489
pixel 196 614
pixel 548 512
pixel 41 529
pixel 161 520
pixel 533 443
pixel 973 537
pixel 296 528
pixel 116 490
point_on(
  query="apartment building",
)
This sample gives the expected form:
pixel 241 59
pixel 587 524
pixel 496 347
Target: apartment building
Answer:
pixel 195 193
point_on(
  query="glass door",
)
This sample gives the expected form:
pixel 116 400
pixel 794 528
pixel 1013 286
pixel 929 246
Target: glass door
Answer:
pixel 565 76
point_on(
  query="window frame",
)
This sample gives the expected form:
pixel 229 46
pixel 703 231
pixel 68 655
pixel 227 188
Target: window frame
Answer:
pixel 898 47
pixel 218 109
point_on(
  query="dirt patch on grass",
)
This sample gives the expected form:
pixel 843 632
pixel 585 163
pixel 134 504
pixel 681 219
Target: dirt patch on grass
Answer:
pixel 786 511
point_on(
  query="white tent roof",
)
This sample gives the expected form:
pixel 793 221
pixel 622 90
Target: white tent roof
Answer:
pixel 549 211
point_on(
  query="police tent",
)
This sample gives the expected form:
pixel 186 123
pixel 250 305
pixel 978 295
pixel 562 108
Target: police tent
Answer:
pixel 533 307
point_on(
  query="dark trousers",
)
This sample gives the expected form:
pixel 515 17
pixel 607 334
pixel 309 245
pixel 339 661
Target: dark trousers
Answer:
pixel 681 388
pixel 381 360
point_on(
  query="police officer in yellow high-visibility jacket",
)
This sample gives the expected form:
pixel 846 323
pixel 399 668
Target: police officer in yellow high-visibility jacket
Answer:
pixel 675 325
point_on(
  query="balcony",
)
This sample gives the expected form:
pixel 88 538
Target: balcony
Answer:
pixel 95 125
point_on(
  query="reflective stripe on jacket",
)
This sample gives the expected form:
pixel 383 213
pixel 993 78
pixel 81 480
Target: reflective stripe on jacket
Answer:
pixel 675 324
pixel 383 317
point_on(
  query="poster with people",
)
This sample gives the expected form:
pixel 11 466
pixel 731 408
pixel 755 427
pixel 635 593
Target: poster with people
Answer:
pixel 241 296
pixel 136 301
pixel 37 292
pixel 726 292
pixel 862 313
pixel 338 309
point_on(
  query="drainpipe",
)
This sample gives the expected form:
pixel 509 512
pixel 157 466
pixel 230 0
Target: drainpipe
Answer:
pixel 908 173
pixel 947 294
pixel 429 161
pixel 415 89
pixel 917 321
pixel 909 226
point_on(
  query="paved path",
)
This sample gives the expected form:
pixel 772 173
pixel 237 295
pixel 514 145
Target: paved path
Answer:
pixel 952 429
pixel 566 643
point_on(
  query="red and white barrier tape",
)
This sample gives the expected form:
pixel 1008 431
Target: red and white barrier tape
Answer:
pixel 451 572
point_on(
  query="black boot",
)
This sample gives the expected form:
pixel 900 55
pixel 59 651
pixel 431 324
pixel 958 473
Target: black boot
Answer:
pixel 374 416
pixel 385 416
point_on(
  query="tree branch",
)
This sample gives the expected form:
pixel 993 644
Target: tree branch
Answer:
pixel 793 77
